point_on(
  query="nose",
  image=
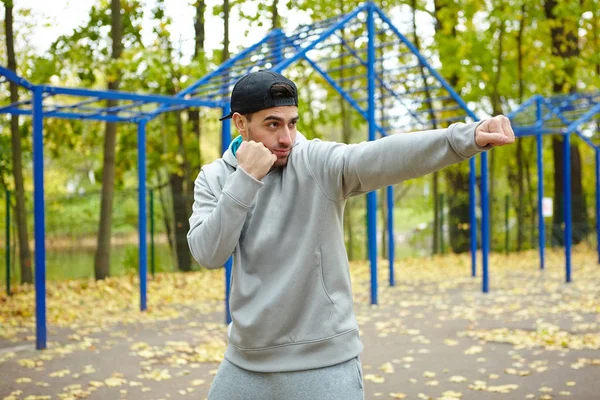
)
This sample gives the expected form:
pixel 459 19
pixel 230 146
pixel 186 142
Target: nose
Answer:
pixel 285 137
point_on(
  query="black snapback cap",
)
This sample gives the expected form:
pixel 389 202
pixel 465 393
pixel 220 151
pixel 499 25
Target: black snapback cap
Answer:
pixel 252 93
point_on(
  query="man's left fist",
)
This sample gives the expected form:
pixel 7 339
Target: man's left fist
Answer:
pixel 495 132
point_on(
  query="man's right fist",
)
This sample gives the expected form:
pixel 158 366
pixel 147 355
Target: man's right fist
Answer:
pixel 255 159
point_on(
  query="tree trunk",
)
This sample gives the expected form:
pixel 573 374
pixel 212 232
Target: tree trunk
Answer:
pixel 276 21
pixel 457 179
pixel 226 31
pixel 21 214
pixel 520 194
pixel 519 148
pixel 194 113
pixel 102 260
pixel 435 179
pixel 566 47
pixel 180 202
pixel 458 210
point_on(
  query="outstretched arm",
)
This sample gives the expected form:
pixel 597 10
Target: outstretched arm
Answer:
pixel 345 170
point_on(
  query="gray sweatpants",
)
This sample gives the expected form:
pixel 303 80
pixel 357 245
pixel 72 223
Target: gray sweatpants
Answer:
pixel 338 382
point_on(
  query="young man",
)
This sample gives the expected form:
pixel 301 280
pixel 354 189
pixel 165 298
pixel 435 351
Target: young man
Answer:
pixel 275 202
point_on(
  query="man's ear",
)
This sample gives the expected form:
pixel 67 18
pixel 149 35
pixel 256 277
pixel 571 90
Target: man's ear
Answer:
pixel 241 124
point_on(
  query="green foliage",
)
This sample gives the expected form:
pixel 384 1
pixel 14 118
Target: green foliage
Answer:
pixel 476 48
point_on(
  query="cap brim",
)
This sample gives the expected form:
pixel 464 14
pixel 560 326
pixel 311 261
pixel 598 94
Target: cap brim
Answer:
pixel 226 116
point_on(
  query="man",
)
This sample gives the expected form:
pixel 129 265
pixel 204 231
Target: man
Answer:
pixel 275 202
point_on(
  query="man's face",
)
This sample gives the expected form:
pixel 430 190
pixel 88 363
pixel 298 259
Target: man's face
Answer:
pixel 274 127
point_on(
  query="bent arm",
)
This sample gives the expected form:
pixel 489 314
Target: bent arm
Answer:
pixel 346 170
pixel 216 223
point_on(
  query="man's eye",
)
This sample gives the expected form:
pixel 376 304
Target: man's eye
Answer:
pixel 273 125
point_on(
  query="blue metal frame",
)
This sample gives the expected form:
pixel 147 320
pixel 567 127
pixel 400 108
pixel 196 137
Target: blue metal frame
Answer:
pixel 372 196
pixel 212 91
pixel 80 111
pixel 597 169
pixel 40 218
pixel 472 215
pixel 225 141
pixel 142 214
pixel 561 109
pixel 391 239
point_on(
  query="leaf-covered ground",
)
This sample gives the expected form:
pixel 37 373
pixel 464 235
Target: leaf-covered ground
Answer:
pixel 432 336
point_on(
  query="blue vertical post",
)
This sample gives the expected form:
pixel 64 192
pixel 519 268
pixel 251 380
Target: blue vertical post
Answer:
pixel 472 215
pixel 39 218
pixel 391 242
pixel 8 293
pixel 225 141
pixel 598 202
pixel 485 226
pixel 142 214
pixel 540 174
pixel 372 196
pixel 567 204
pixel 152 247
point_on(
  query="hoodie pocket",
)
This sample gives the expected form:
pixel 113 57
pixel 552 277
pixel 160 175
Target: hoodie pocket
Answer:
pixel 316 307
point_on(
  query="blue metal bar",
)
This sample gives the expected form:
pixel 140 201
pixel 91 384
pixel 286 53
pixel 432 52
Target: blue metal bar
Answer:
pixel 424 62
pixel 439 110
pixel 472 215
pixel 379 79
pixel 351 67
pixel 39 218
pixel 567 206
pixel 584 116
pixel 421 90
pixel 142 214
pixel 225 141
pixel 343 93
pixel 109 118
pixel 533 99
pixel 540 174
pixel 391 238
pixel 372 196
pixel 521 131
pixel 6 109
pixel 283 65
pixel 14 78
pixel 223 67
pixel 485 225
pixel 116 95
pixel 560 115
pixel 597 153
pixel 71 106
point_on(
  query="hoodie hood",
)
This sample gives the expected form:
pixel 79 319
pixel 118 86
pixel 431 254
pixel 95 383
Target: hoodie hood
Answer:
pixel 230 155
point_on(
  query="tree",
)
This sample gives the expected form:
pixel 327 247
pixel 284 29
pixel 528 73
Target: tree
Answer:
pixel 102 260
pixel 446 34
pixel 17 167
pixel 564 25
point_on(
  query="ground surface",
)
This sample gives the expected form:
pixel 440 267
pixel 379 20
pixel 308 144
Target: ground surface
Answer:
pixel 433 336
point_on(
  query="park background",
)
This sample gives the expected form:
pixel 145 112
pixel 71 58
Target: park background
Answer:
pixel 495 54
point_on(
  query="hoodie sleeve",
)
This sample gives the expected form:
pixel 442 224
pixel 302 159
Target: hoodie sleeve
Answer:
pixel 345 170
pixel 217 220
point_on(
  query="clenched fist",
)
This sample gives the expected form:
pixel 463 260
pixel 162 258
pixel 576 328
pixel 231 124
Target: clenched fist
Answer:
pixel 255 159
pixel 495 131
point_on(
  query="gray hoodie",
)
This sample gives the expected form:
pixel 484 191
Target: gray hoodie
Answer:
pixel 291 297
